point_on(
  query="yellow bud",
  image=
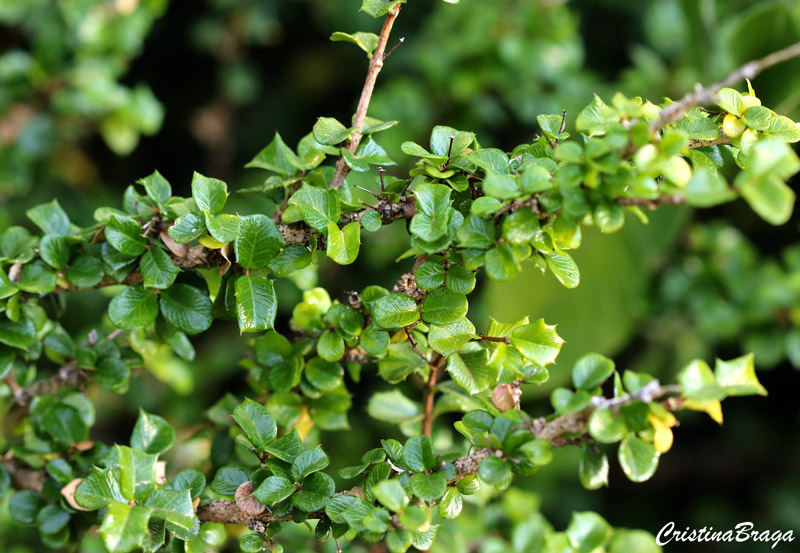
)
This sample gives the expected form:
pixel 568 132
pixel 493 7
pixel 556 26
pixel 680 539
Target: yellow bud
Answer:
pixel 733 126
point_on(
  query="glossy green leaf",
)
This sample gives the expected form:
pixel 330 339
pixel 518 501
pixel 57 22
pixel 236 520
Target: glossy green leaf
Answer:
pixel 227 481
pixel 365 41
pixel 597 118
pixel 592 370
pixel 330 131
pixel 593 468
pixel 318 207
pixel 730 100
pixel 51 218
pixel 276 157
pixel 450 338
pixel 209 194
pixel 343 245
pixel 258 241
pixel 157 268
pixel 98 490
pixel 186 228
pixel 418 454
pixel 174 506
pixel 738 376
pixel 152 434
pixel 20 334
pixel 637 458
pixel 257 423
pixel 134 307
pixel 125 235
pixel 85 271
pixel 256 303
pixel 54 250
pixel 316 491
pixel 538 342
pixel 494 470
pixel 394 311
pixel 606 427
pixel 36 278
pixel 157 187
pixel 429 487
pixel 564 268
pixel 186 307
pixel 378 8
pixel 587 532
pixel 309 461
pixel 443 306
pixel 274 489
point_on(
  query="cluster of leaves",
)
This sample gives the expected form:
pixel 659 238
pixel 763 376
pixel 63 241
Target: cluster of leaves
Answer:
pixel 72 56
pixel 180 263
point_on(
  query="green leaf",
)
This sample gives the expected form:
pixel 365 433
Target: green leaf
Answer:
pixel 501 263
pixel 597 118
pixel 274 489
pixel 85 271
pixel 699 128
pixel 287 447
pixel 391 494
pixel 98 490
pixel 227 481
pixel 374 341
pixel 770 197
pixel 277 157
pixel 469 369
pixel 157 268
pixel 52 519
pixel 606 427
pixel 738 377
pixel 316 491
pixel 451 504
pixel 51 218
pixel 399 362
pixel 330 131
pixel 189 479
pixel 707 189
pixel 365 41
pixel 637 458
pixel 476 232
pixel 450 338
pixel 209 194
pixel 174 506
pixel 323 374
pixel 318 207
pixel 134 307
pixel 429 487
pixel 343 245
pixel 223 228
pixel 698 382
pixel 432 198
pixel 124 527
pixel 371 221
pixel 593 468
pixel 186 228
pixel 36 278
pixel 587 532
pixel 394 311
pixel 54 250
pixel 113 374
pixel 538 342
pixel 258 241
pixel 293 258
pixel 251 543
pixel 459 279
pixel 520 227
pixel 378 8
pixel 502 187
pixel 6 361
pixel 494 470
pixel 186 307
pixel 491 159
pixel 256 303
pixel 783 128
pixel 564 268
pixel 440 141
pixel 152 434
pixel 7 287
pixel 393 407
pixel 20 334
pixel 550 125
pixel 25 505
pixel 757 117
pixel 418 454
pixel 125 235
pixel 443 306
pixel 592 370
pixel 730 100
pixel 309 461
pixel 157 188
pixel 257 423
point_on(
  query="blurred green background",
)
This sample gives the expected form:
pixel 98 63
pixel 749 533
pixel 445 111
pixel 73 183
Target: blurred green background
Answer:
pixel 95 94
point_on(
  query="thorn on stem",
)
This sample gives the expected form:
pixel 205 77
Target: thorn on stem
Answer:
pixel 399 42
pixel 381 172
pixel 563 121
pixel 370 192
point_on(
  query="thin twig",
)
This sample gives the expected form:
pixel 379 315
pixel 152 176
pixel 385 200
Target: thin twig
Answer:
pixel 485 338
pixel 375 66
pixel 702 96
pixel 653 203
pixel 429 394
pixel 723 140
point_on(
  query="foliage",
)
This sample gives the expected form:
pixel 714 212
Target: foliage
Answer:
pixel 178 264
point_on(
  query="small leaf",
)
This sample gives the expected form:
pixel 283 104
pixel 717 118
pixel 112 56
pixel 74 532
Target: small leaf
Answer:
pixel 637 458
pixel 394 311
pixel 537 341
pixel 730 100
pixel 378 8
pixel 738 376
pixel 257 423
pixel 124 527
pixel 588 532
pixel 393 407
pixel 309 461
pixel 51 218
pixel 36 278
pixel 318 207
pixel 277 157
pixel 227 481
pixel 209 194
pixel 316 491
pixel 494 470
pixel 274 489
pixel 365 41
pixel 134 307
pixel 157 188
pixel 186 307
pixel 564 268
pixel 592 370
pixel 125 235
pixel 597 118
pixel 85 271
pixel 256 303
pixel 186 228
pixel 418 454
pixel 157 268
pixel 443 306
pixel 330 131
pixel 593 468
pixel 429 487
pixel 258 241
pixel 152 434
pixel 343 245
